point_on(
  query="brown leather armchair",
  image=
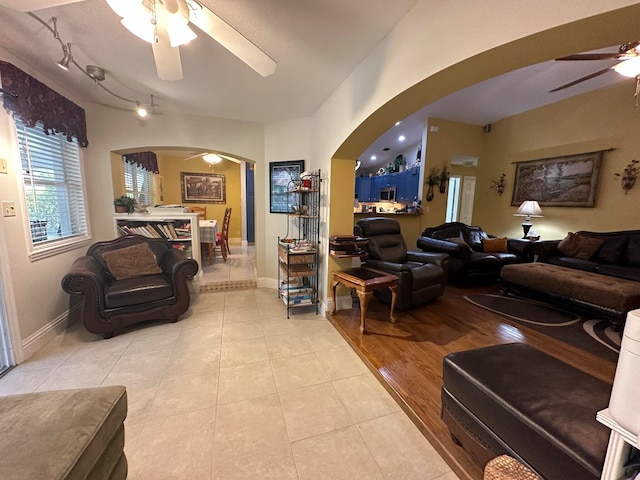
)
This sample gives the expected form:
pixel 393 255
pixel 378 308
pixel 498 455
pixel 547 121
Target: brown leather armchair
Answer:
pixel 152 291
pixel 469 260
pixel 422 277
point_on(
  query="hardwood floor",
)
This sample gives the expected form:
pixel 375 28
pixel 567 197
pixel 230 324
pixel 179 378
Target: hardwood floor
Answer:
pixel 407 356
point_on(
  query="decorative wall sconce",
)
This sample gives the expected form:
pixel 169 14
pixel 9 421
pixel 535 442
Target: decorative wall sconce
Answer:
pixel 432 180
pixel 629 175
pixel 499 185
pixel 444 179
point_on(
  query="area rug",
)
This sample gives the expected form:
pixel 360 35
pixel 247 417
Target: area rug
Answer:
pixel 592 335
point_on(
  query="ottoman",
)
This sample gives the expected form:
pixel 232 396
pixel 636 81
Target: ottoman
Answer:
pixel 66 434
pixel 513 399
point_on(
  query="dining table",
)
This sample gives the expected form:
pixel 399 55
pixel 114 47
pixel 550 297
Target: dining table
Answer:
pixel 209 236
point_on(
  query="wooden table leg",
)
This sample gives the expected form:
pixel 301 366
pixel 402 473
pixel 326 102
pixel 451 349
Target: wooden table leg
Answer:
pixel 364 302
pixel 334 284
pixel 210 252
pixel 393 289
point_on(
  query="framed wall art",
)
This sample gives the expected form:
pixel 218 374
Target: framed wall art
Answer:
pixel 569 181
pixel 281 178
pixel 202 188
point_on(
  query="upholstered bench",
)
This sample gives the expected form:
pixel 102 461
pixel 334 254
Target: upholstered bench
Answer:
pixel 513 399
pixel 64 435
pixel 610 297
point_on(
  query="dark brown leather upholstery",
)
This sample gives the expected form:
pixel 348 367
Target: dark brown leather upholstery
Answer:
pixel 467 259
pixel 513 399
pixel 110 305
pixel 421 276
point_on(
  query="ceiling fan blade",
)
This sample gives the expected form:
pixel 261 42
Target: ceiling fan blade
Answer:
pixel 593 56
pixel 33 5
pixel 168 63
pixel 588 77
pixel 231 39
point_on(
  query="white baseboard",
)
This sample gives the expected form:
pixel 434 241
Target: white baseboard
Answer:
pixel 265 282
pixel 343 303
pixel 37 340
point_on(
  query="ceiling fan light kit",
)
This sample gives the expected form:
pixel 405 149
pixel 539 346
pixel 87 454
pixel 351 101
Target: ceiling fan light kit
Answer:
pixel 165 24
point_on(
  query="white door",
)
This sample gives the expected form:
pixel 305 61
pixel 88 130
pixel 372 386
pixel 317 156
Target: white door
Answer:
pixel 453 199
pixel 466 202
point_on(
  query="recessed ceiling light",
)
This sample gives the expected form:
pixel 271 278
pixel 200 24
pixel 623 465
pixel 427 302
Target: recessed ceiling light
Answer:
pixel 398 123
pixel 401 138
pixel 373 157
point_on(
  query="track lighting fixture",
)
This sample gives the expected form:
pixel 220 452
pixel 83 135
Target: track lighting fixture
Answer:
pixel 97 74
pixel 64 63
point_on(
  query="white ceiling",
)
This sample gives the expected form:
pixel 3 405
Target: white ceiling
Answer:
pixel 315 44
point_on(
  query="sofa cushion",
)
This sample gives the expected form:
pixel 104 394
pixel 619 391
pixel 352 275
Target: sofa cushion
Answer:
pixel 134 261
pixel 579 246
pixel 137 290
pixel 497 245
pixel 632 254
pixel 576 263
pixel 612 249
pixel 474 237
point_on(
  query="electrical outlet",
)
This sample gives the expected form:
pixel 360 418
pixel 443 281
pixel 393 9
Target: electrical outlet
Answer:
pixel 8 209
pixel 3 165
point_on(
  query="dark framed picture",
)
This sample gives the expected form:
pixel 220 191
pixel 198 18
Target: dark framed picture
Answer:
pixel 282 176
pixel 569 181
pixel 202 188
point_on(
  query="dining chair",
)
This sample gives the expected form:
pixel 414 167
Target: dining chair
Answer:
pixel 223 234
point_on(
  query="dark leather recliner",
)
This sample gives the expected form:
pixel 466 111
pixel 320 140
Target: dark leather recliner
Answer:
pixel 468 260
pixel 110 305
pixel 422 276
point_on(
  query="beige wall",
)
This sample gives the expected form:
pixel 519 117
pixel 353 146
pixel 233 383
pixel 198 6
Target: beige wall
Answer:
pixel 170 169
pixel 594 121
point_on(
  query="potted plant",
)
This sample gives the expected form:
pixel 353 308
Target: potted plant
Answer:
pixel 124 204
pixel 432 180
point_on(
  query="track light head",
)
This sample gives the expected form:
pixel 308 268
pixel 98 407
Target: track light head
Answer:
pixel 67 58
pixel 141 110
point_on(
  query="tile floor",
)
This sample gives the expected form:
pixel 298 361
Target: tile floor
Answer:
pixel 238 271
pixel 234 390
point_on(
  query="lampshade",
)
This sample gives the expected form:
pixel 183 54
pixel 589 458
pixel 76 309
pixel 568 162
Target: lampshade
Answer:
pixel 212 158
pixel 529 208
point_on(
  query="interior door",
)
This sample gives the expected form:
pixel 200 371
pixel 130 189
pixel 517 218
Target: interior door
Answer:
pixel 466 202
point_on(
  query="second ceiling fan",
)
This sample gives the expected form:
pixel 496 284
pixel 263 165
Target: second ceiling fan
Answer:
pixel 629 66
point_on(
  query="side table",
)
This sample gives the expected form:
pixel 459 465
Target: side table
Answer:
pixel 365 281
pixel 621 443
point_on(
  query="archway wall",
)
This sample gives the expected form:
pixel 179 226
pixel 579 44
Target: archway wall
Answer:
pixel 441 47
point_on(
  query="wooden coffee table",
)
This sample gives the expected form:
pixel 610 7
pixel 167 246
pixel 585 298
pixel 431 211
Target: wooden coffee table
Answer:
pixel 365 281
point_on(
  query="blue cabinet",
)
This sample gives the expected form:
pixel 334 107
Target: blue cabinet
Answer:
pixel 376 184
pixel 364 192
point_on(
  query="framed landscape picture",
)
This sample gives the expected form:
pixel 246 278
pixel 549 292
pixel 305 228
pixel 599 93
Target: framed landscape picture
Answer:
pixel 281 178
pixel 202 188
pixel 569 181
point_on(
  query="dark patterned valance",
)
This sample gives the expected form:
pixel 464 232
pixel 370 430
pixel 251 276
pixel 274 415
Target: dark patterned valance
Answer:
pixel 35 102
pixel 146 160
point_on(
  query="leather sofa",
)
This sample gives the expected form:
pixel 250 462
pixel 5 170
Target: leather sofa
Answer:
pixel 616 254
pixel 129 280
pixel 422 277
pixel 513 399
pixel 593 272
pixel 470 257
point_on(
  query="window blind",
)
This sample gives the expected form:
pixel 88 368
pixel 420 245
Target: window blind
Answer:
pixel 53 190
pixel 139 183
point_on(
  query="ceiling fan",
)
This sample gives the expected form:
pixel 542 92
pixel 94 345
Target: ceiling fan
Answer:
pixel 629 66
pixel 212 158
pixel 166 25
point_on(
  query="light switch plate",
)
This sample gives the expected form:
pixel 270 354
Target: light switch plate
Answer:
pixel 8 209
pixel 3 165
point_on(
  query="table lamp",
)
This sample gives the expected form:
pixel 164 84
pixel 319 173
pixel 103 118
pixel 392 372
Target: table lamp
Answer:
pixel 528 209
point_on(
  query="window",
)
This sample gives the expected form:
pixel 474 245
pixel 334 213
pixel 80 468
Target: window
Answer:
pixel 53 186
pixel 138 183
